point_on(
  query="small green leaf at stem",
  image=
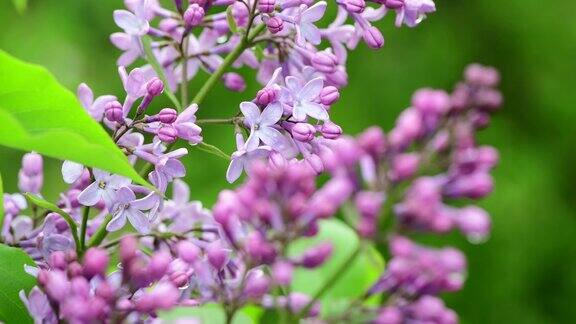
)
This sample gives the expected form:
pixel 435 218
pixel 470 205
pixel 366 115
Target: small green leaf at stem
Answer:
pixel 53 208
pixel 209 148
pixel 100 234
pixel 230 20
pixel 151 58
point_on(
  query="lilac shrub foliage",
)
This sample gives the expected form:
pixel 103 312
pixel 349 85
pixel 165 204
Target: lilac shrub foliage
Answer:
pixel 180 254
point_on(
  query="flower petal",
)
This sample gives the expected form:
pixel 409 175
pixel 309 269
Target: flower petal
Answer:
pixel 314 13
pixel 271 114
pixel 250 111
pixel 271 137
pixel 85 95
pixel 234 169
pixel 71 171
pixel 180 192
pixel 311 90
pixel 253 141
pixel 315 110
pixel 91 195
pixel 138 220
pixel 130 23
pixel 117 222
pixel 125 195
pixel 311 33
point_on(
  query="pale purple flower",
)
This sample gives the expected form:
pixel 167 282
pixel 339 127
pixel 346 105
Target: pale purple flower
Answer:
pixel 303 98
pixel 262 124
pixel 132 24
pixel 242 158
pixel 53 238
pixel 94 107
pixel 128 207
pixel 183 213
pixel 71 171
pixel 134 84
pixel 413 12
pixel 186 127
pixel 104 188
pixel 38 306
pixel 304 23
pixel 131 47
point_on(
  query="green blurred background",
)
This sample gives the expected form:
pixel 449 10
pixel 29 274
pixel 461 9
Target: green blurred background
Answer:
pixel 526 272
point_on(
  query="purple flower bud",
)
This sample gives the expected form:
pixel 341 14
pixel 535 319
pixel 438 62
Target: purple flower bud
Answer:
pixel 158 265
pixel 178 4
pixel 113 111
pixel 256 285
pixel 154 87
pixel 234 82
pixel 373 37
pixel 105 291
pixel 474 222
pixel 217 255
pixel 193 15
pixel 275 24
pixel 162 296
pixel 298 301
pixel 75 269
pixel 57 285
pixel 480 75
pixel 369 203
pixel 167 134
pixel 266 96
pixel 303 132
pixel 373 141
pixel 355 6
pixel 404 166
pixel 489 99
pixel 32 164
pixel 316 255
pixel 95 262
pixel 128 248
pixel 324 61
pixel 201 3
pixel 167 116
pixel 57 260
pixel 339 78
pixel 389 315
pixel 472 186
pixel 329 95
pixel 330 130
pixel 188 251
pixel 315 163
pixel 429 101
pixel 168 25
pixel 259 249
pixel 394 4
pixel 277 160
pixel 80 286
pixel 266 6
pixel 282 272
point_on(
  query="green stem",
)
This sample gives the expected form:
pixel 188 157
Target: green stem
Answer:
pixel 100 234
pixel 219 121
pixel 184 83
pixel 332 280
pixel 84 227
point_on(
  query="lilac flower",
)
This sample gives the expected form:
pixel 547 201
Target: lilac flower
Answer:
pixel 128 207
pixel 242 158
pixel 303 98
pixel 262 124
pixel 133 24
pixel 304 23
pixel 130 46
pixel 186 127
pixel 72 171
pixel 104 188
pixel 181 212
pixel 38 306
pixel 55 236
pixel 94 107
pixel 413 12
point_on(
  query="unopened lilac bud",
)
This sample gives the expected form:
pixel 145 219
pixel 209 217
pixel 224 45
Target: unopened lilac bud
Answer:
pixel 404 166
pixel 113 111
pixel 167 134
pixel 95 262
pixel 75 269
pixel 394 4
pixel 128 248
pixel 330 130
pixel 188 251
pixel 155 87
pixel 105 291
pixel 178 4
pixel 303 132
pixel 316 255
pixel 275 24
pixel 266 96
pixel 373 37
pixel 80 286
pixel 369 203
pixel 256 286
pixel 158 265
pixel 201 3
pixel 339 78
pixel 57 260
pixel 474 222
pixel 298 301
pixel 355 6
pixel 373 141
pixel 324 61
pixel 389 315
pixel 481 75
pixel 168 25
pixel 329 95
pixel 266 6
pixel 57 285
pixel 489 99
pixel 32 164
pixel 429 101
pixel 167 116
pixel 277 160
pixel 472 186
pixel 234 81
pixel 282 272
pixel 315 163
pixel 217 256
pixel 193 15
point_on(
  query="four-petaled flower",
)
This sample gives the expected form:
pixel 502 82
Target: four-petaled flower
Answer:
pixel 94 107
pixel 304 23
pixel 128 207
pixel 104 188
pixel 303 98
pixel 241 158
pixel 262 124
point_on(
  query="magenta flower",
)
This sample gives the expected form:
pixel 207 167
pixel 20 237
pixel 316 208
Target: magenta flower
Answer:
pixel 262 124
pixel 94 107
pixel 104 188
pixel 303 98
pixel 128 207
pixel 242 158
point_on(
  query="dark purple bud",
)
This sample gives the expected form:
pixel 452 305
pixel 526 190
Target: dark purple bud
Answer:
pixel 113 111
pixel 154 87
pixel 95 262
pixel 167 134
pixel 178 4
pixel 329 95
pixel 266 96
pixel 188 251
pixel 355 6
pixel 316 255
pixel 330 130
pixel 324 61
pixel 217 256
pixel 234 81
pixel 266 6
pixel 256 285
pixel 75 269
pixel 303 132
pixel 193 16
pixel 201 3
pixel 167 116
pixel 275 24
pixel 259 249
pixel 394 4
pixel 373 37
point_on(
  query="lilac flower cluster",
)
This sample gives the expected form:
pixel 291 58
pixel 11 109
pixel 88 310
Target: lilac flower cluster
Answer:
pixel 388 187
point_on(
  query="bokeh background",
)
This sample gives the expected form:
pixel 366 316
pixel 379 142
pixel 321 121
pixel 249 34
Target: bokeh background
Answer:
pixel 526 272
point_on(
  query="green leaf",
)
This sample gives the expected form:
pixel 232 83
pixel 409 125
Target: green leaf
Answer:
pixel 209 148
pixel 20 5
pixel 1 204
pixel 38 114
pixel 14 279
pixel 206 314
pixel 230 20
pixel 53 208
pixel 151 58
pixel 359 276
